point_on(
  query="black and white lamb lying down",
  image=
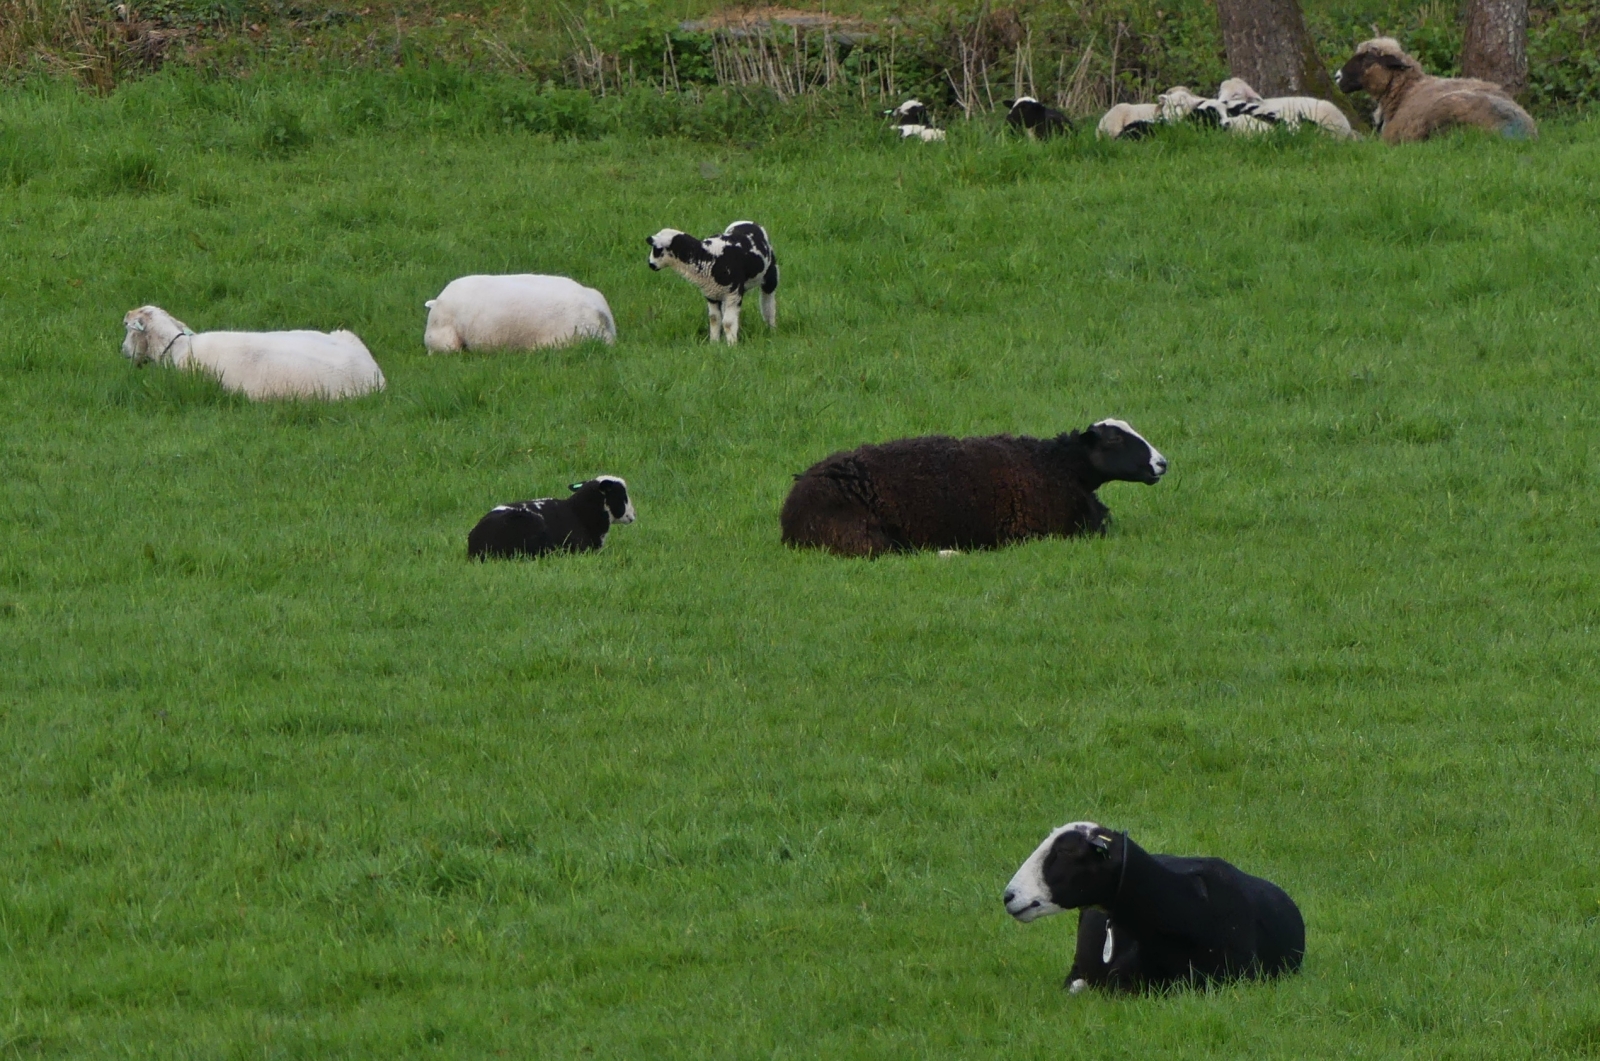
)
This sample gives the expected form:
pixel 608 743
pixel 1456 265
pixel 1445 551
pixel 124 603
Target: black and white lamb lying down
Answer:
pixel 723 268
pixel 914 122
pixel 576 524
pixel 1152 921
pixel 1037 121
pixel 939 492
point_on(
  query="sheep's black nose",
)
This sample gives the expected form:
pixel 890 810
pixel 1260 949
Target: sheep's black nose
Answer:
pixel 1010 895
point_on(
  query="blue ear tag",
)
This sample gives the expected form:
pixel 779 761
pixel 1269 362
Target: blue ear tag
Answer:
pixel 1105 952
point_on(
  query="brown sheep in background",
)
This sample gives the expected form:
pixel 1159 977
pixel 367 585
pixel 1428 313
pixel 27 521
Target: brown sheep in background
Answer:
pixel 1413 105
pixel 939 492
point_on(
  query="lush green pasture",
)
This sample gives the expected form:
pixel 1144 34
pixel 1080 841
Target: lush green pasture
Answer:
pixel 285 776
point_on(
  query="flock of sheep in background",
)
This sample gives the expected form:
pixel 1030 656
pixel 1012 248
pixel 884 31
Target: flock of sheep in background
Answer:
pixel 1411 106
pixel 1145 920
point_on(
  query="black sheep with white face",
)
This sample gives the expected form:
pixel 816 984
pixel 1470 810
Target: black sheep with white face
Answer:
pixel 574 524
pixel 1152 921
pixel 938 492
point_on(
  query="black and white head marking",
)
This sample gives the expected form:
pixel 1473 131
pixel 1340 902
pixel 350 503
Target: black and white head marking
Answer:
pixel 619 504
pixel 1028 897
pixel 1158 463
pixel 911 112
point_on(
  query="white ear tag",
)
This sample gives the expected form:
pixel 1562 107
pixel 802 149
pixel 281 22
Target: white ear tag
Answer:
pixel 1105 952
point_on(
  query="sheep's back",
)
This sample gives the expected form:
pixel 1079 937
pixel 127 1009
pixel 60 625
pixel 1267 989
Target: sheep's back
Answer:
pixel 1434 104
pixel 289 364
pixel 943 492
pixel 520 312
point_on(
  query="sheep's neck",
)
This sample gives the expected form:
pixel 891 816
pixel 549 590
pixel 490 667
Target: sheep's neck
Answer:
pixel 698 274
pixel 1152 898
pixel 1069 452
pixel 178 349
pixel 1400 85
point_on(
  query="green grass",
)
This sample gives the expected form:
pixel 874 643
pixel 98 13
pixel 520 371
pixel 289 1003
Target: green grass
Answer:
pixel 285 776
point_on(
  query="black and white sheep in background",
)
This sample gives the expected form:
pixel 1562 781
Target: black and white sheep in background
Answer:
pixel 912 119
pixel 1288 111
pixel 1413 105
pixel 1178 104
pixel 1150 921
pixel 939 492
pixel 1027 115
pixel 575 524
pixel 723 268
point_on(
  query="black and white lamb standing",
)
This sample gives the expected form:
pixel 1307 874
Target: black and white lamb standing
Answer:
pixel 938 492
pixel 723 268
pixel 1153 921
pixel 575 524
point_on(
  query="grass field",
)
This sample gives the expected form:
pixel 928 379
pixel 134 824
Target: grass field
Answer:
pixel 285 776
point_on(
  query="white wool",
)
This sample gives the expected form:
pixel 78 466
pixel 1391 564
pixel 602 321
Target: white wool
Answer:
pixel 516 312
pixel 1292 110
pixel 925 133
pixel 294 364
pixel 1122 115
pixel 1237 90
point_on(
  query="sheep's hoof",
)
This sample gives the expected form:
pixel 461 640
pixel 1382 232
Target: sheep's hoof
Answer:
pixel 1076 986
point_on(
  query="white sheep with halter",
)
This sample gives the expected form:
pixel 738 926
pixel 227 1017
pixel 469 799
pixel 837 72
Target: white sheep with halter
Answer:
pixel 294 364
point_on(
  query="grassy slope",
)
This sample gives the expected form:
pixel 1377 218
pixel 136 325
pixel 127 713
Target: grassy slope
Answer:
pixel 286 777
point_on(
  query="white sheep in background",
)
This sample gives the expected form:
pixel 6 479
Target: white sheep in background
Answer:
pixel 297 364
pixel 1129 121
pixel 1288 111
pixel 517 312
pixel 1178 104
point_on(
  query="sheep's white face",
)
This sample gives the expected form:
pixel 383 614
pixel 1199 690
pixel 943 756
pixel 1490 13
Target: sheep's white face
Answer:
pixel 1028 897
pixel 1237 90
pixel 659 244
pixel 1177 102
pixel 147 331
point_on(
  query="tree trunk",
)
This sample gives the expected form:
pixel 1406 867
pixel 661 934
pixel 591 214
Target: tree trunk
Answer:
pixel 1268 46
pixel 1496 44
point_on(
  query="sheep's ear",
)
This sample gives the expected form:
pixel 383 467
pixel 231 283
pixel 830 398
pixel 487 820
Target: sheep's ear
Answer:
pixel 136 325
pixel 650 241
pixel 1101 842
pixel 573 486
pixel 1008 103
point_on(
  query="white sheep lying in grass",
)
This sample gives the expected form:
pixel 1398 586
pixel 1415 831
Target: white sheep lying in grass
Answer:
pixel 518 312
pixel 1129 121
pixel 299 364
pixel 1288 111
pixel 1178 104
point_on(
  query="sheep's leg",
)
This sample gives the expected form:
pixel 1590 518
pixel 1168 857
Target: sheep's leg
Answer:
pixel 769 296
pixel 714 311
pixel 730 317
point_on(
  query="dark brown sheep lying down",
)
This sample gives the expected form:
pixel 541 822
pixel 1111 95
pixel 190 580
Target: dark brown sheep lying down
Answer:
pixel 938 492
